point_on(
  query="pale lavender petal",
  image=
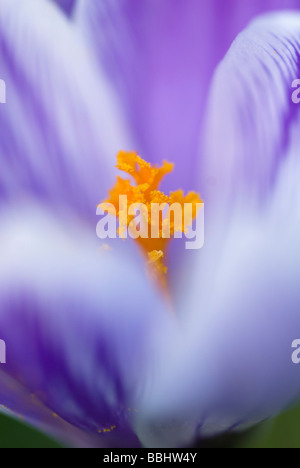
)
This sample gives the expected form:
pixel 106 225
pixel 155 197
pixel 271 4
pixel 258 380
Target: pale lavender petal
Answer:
pixel 161 55
pixel 250 123
pixel 61 127
pixel 79 325
pixel 241 306
pixel 233 365
pixel 251 113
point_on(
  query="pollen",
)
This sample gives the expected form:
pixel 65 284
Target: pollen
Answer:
pixel 161 216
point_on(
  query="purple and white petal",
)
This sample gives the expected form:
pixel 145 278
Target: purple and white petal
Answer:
pixel 80 325
pixel 240 310
pixel 161 56
pixel 28 409
pixel 251 114
pixel 61 126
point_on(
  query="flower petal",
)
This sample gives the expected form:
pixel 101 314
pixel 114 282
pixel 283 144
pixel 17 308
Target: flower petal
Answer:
pixel 61 126
pixel 250 124
pixel 233 365
pixel 79 325
pixel 13 395
pixel 241 310
pixel 161 56
pixel 251 112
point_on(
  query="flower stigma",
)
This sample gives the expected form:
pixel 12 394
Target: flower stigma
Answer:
pixel 161 216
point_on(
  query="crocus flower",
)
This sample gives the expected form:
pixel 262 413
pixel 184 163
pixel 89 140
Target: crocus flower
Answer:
pixel 93 355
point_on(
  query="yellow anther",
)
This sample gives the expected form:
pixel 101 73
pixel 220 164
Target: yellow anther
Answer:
pixel 143 188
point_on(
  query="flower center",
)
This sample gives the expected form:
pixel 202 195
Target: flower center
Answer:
pixel 161 216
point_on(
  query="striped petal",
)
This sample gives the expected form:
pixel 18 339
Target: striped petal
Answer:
pixel 161 55
pixel 61 126
pixel 241 310
pixel 79 325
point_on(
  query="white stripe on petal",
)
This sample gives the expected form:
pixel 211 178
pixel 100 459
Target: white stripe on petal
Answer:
pixel 61 127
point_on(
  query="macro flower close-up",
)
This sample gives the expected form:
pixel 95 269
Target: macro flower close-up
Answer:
pixel 117 330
